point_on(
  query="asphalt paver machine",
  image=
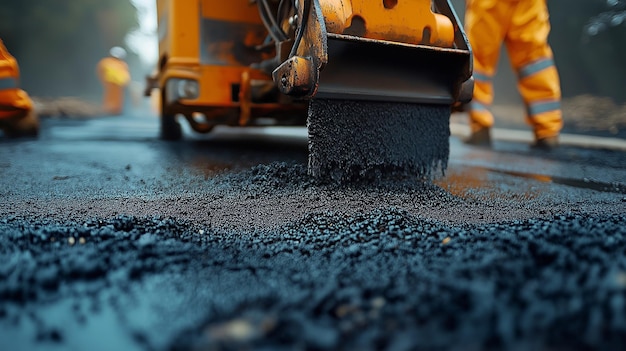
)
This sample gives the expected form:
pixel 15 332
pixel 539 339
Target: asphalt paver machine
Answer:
pixel 374 81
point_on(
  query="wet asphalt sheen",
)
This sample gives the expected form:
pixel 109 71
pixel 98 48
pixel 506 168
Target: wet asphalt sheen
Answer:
pixel 140 245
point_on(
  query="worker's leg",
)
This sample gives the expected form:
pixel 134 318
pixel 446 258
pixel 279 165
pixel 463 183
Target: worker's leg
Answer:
pixel 113 99
pixel 532 59
pixel 106 97
pixel 486 23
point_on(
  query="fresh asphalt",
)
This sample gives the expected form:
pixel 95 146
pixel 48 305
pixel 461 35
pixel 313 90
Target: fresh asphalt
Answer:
pixel 112 239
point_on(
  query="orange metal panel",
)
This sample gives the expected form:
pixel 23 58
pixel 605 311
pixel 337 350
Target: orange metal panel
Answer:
pixel 185 29
pixel 232 10
pixel 410 22
pixel 216 84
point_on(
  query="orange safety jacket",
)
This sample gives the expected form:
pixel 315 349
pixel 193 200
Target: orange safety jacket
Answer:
pixel 13 100
pixel 523 26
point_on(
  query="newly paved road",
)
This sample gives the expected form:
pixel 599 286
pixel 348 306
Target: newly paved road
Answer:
pixel 112 239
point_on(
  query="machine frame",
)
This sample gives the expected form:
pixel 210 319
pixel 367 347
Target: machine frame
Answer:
pixel 206 72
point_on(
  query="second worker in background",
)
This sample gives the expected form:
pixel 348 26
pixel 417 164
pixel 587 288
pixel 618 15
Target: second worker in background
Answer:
pixel 114 75
pixel 523 26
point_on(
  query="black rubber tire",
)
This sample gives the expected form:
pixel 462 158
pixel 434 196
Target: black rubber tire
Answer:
pixel 170 129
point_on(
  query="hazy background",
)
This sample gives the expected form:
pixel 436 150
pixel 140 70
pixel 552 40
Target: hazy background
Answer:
pixel 58 44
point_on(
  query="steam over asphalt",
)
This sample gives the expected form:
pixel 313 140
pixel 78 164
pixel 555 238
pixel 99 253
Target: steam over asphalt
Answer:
pixel 279 261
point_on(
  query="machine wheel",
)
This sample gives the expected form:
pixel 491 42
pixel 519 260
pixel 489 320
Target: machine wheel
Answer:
pixel 170 128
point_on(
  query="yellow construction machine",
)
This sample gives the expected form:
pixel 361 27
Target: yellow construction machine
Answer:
pixel 373 80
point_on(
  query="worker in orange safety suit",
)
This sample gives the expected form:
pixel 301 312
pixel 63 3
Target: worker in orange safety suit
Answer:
pixel 17 115
pixel 523 26
pixel 114 75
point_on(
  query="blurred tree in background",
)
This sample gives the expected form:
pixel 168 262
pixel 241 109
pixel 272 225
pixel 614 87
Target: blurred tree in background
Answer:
pixel 589 41
pixel 58 43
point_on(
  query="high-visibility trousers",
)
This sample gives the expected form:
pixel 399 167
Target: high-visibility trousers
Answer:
pixel 14 102
pixel 113 98
pixel 523 26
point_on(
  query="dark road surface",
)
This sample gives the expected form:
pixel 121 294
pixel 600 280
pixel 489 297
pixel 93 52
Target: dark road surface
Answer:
pixel 112 239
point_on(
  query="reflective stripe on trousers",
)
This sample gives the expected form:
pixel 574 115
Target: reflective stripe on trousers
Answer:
pixel 539 86
pixel 8 83
pixel 480 115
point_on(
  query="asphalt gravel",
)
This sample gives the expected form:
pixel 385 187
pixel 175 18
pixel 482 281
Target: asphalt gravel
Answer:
pixel 307 265
pixel 369 140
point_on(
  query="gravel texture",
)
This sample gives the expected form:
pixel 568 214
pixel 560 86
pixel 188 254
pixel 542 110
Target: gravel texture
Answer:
pixel 307 265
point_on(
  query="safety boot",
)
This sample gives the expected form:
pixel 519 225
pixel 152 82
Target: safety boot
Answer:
pixel 546 144
pixel 481 137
